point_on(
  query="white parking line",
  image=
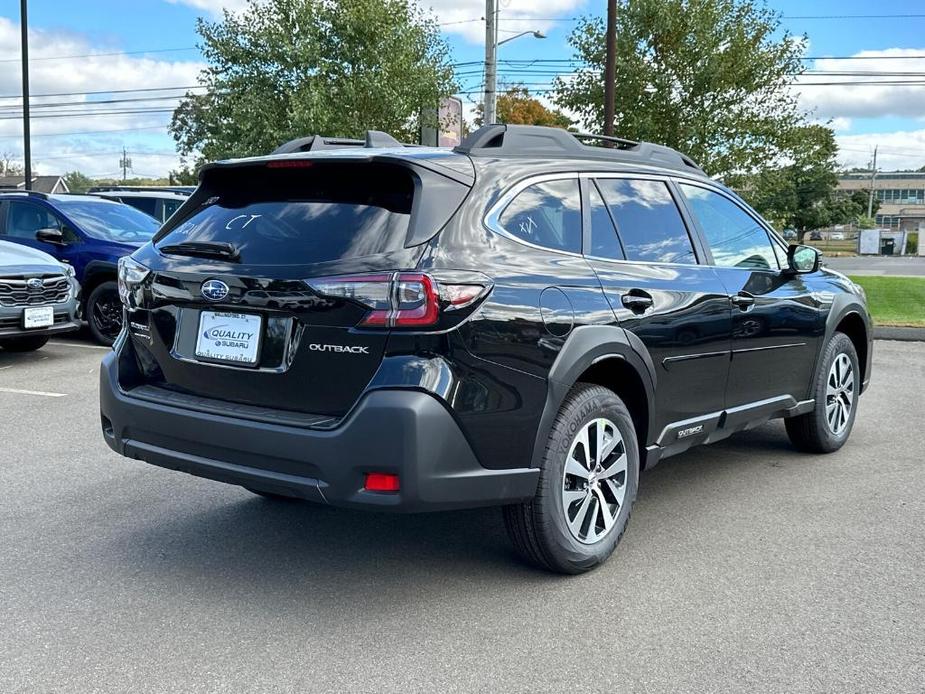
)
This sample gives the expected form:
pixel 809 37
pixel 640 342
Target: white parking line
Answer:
pixel 43 393
pixel 77 344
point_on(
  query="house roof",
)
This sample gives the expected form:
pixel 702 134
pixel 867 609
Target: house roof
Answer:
pixel 43 184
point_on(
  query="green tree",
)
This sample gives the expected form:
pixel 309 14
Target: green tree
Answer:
pixel 516 106
pixel 282 69
pixel 707 77
pixel 865 222
pixel 184 176
pixel 77 182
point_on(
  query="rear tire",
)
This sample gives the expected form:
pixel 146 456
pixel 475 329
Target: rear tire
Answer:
pixel 29 343
pixel 836 390
pixel 587 486
pixel 104 312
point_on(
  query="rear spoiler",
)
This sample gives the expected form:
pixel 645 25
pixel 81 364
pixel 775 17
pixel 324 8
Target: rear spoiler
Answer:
pixel 315 143
pixel 446 188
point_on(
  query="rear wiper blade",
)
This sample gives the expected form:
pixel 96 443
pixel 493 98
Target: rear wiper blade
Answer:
pixel 202 249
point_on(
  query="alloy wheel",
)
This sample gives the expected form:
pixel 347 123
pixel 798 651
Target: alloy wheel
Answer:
pixel 106 314
pixel 594 481
pixel 839 394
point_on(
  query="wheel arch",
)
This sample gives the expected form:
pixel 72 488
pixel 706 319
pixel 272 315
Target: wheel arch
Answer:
pixel 94 275
pixel 852 325
pixel 851 317
pixel 608 356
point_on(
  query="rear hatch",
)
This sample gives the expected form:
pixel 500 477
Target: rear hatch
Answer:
pixel 273 287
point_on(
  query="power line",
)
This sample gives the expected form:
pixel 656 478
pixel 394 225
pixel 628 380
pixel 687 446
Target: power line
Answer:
pixel 101 55
pixel 91 132
pixel 104 91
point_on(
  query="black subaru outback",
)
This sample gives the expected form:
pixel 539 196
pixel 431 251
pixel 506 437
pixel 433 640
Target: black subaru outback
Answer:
pixel 527 320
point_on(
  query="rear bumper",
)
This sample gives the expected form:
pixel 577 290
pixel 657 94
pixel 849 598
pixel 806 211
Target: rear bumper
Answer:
pixel 404 432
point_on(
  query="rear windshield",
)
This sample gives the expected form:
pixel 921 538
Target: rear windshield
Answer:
pixel 303 215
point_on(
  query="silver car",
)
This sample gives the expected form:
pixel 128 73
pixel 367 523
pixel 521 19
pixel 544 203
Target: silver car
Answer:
pixel 38 298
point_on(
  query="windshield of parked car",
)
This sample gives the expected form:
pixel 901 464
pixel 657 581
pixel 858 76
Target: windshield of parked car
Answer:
pixel 110 221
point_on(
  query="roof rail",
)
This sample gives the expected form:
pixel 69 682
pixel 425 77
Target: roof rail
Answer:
pixel 541 141
pixel 314 143
pixel 180 190
pixel 29 193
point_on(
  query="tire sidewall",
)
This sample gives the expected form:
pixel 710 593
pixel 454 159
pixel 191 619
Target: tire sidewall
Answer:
pixel 839 344
pixel 567 551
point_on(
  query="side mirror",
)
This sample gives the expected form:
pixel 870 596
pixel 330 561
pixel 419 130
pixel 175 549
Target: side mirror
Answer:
pixel 50 236
pixel 802 259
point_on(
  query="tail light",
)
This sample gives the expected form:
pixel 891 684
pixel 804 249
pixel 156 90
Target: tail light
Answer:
pixel 399 299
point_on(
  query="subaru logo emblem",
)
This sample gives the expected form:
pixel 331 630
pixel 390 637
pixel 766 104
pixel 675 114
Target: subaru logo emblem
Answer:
pixel 214 290
pixel 35 283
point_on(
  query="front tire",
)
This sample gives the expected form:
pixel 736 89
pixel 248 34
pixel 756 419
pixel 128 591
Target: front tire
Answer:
pixel 587 486
pixel 836 390
pixel 104 312
pixel 24 344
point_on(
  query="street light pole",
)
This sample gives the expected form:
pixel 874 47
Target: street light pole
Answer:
pixel 26 135
pixel 491 62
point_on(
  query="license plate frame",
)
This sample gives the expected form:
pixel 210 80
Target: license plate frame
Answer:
pixel 35 317
pixel 229 337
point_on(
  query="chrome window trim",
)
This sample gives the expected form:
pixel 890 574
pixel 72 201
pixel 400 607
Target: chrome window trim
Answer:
pixel 492 220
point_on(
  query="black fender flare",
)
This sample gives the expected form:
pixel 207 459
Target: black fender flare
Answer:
pixel 586 346
pixel 95 269
pixel 844 305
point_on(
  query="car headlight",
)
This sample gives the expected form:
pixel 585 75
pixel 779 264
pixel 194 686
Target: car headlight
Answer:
pixel 68 270
pixel 131 274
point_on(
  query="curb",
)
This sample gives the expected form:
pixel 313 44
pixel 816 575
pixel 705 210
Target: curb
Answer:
pixel 883 332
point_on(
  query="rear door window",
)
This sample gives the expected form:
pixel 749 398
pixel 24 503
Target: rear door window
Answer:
pixel 648 220
pixel 546 214
pixel 604 241
pixel 290 217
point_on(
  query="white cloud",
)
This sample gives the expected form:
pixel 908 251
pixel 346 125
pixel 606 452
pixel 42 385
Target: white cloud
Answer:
pixel 461 17
pixel 895 150
pixel 841 97
pixel 144 132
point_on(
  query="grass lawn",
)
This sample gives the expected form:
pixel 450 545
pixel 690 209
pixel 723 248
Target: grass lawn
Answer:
pixel 895 300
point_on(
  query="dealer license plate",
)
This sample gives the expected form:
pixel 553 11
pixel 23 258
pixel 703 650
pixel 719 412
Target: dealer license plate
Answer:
pixel 38 317
pixel 229 337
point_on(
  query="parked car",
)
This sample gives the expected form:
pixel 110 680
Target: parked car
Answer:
pixel 789 234
pixel 815 236
pixel 159 204
pixel 837 236
pixel 38 298
pixel 89 234
pixel 525 321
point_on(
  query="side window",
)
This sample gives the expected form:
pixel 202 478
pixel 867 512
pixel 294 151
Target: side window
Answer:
pixel 546 214
pixel 146 205
pixel 604 241
pixel 734 237
pixel 26 218
pixel 648 220
pixel 170 206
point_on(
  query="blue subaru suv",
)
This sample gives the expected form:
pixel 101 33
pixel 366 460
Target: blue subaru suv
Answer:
pixel 88 233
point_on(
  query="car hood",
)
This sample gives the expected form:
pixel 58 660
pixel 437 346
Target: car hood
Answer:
pixel 15 258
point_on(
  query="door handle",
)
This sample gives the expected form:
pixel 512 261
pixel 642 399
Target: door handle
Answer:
pixel 743 300
pixel 636 301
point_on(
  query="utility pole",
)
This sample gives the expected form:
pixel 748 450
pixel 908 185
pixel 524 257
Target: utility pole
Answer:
pixel 26 134
pixel 610 68
pixel 873 176
pixel 490 100
pixel 125 163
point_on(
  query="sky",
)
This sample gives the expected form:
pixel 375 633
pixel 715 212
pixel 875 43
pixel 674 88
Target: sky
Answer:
pixel 105 50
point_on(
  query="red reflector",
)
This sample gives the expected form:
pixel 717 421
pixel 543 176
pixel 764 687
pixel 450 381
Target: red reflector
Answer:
pixel 381 482
pixel 289 164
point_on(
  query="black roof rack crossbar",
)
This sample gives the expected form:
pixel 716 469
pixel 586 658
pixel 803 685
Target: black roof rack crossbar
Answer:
pixel 544 142
pixel 314 143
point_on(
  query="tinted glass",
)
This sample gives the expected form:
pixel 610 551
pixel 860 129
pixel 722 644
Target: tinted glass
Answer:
pixel 735 238
pixel 546 214
pixel 648 220
pixel 110 221
pixel 299 217
pixel 146 205
pixel 24 219
pixel 604 241
pixel 170 206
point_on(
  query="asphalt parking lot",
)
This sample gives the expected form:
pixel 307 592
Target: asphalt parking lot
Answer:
pixel 878 265
pixel 746 567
